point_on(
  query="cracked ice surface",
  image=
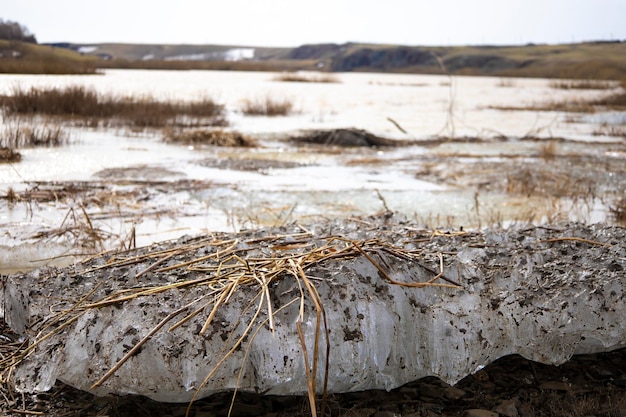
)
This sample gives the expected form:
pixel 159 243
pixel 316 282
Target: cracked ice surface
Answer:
pixel 545 293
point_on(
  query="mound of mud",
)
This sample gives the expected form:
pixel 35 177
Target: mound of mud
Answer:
pixel 377 302
pixel 346 137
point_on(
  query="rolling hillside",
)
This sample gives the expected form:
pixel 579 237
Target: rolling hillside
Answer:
pixel 590 60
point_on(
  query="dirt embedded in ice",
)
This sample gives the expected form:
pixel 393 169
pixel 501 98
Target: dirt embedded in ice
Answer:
pixel 544 292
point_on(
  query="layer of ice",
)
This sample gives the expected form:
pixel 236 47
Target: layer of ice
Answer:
pixel 545 293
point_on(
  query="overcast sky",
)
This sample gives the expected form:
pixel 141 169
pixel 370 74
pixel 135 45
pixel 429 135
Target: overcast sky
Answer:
pixel 294 22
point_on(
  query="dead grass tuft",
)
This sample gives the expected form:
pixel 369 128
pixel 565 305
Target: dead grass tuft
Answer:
pixel 506 82
pixel 615 101
pixel 19 135
pixel 301 78
pixel 618 210
pixel 267 106
pixel 11 196
pixel 536 181
pixel 606 129
pixel 9 155
pixel 210 137
pixel 548 150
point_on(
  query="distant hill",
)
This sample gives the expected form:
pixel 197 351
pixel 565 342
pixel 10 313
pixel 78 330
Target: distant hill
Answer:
pixel 603 60
pixel 593 60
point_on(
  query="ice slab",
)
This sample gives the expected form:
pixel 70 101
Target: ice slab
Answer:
pixel 545 293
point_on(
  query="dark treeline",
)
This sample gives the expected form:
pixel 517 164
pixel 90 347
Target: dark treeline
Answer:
pixel 14 31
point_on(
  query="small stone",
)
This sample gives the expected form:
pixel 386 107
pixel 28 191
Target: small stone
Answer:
pixel 453 393
pixel 480 413
pixel 507 408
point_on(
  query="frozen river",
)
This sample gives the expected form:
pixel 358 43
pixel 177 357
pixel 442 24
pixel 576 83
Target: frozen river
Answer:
pixel 162 191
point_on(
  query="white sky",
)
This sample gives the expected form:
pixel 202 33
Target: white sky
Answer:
pixel 294 22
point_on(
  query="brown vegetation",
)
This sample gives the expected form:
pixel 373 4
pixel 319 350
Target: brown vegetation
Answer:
pixel 268 66
pixel 618 210
pixel 613 101
pixel 548 150
pixel 9 155
pixel 301 78
pixel 606 129
pixel 18 135
pixel 80 102
pixel 267 106
pixel 582 85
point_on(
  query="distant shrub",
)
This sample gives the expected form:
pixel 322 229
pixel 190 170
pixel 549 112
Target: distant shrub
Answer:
pixel 14 31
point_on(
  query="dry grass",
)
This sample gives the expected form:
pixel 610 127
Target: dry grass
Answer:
pixel 606 129
pixel 615 101
pixel 19 135
pixel 302 78
pixel 83 103
pixel 548 150
pixel 618 210
pixel 506 82
pixel 11 196
pixel 9 155
pixel 582 84
pixel 267 106
pixel 267 66
pixel 574 105
pixel 210 137
pixel 545 182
